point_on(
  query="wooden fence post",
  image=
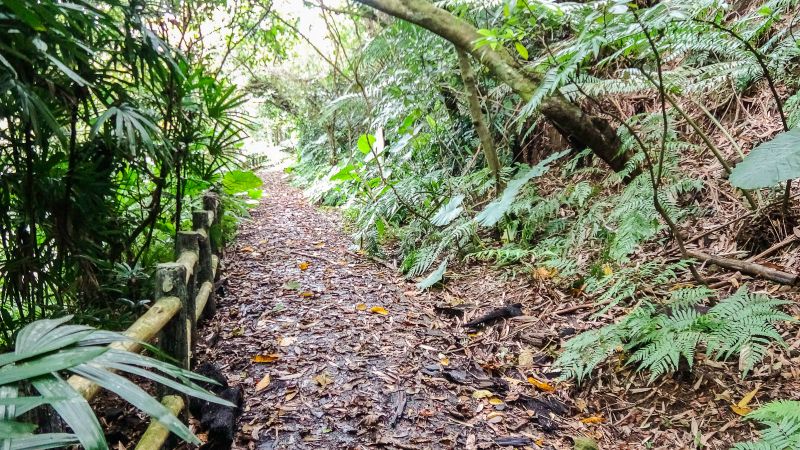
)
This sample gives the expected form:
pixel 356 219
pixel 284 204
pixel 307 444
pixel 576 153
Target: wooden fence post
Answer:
pixel 188 253
pixel 211 202
pixel 174 339
pixel 202 224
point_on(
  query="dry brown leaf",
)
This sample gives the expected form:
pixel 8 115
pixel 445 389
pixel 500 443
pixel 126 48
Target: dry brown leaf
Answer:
pixel 525 358
pixel 272 357
pixel 290 395
pixel 247 249
pixel 379 310
pixel 541 385
pixel 286 341
pixel 593 419
pixel 263 383
pixel 323 379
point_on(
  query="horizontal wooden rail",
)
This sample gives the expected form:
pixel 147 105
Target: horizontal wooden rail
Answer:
pixel 156 434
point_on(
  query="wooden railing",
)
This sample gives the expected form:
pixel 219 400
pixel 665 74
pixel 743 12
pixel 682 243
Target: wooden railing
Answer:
pixel 184 292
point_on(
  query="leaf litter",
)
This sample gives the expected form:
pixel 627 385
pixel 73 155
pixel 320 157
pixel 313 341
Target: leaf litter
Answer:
pixel 336 351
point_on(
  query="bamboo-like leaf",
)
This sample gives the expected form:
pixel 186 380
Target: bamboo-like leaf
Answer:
pixel 42 441
pixel 74 410
pixel 65 359
pixel 133 394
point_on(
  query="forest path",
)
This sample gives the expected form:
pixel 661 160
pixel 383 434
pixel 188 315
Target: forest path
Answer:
pixel 341 375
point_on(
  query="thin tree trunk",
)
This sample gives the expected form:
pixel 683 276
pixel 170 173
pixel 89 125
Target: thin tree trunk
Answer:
pixel 484 135
pixel 579 127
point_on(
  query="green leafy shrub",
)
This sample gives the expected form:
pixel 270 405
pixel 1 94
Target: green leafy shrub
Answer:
pixel 46 350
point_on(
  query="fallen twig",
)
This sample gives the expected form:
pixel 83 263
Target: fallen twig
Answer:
pixel 749 268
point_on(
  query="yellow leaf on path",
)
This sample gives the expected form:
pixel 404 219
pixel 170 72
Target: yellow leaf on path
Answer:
pixel 306 294
pixel 319 244
pixel 482 393
pixel 290 395
pixel 593 419
pixel 263 383
pixel 361 307
pixel 541 385
pixel 247 249
pixel 379 310
pixel 745 401
pixel 303 265
pixel 445 361
pixel 272 357
pixel 495 401
pixel 543 273
pixel 323 379
pixel 740 410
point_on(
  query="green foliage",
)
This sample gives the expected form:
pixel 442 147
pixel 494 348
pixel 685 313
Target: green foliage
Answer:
pixel 770 162
pixel 658 338
pixel 238 181
pixel 46 349
pixel 782 421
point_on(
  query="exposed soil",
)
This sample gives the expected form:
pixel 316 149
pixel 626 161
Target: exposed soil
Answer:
pixel 298 309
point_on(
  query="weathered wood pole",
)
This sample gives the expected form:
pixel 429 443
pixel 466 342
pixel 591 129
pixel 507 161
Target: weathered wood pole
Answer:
pixel 201 221
pixel 188 253
pixel 211 202
pixel 174 339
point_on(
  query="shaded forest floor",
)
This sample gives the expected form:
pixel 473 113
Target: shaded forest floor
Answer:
pixel 335 350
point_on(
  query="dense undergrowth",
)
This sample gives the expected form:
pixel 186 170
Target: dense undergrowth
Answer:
pixel 388 136
pixel 112 125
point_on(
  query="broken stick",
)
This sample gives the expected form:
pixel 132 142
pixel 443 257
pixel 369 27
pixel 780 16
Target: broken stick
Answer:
pixel 756 270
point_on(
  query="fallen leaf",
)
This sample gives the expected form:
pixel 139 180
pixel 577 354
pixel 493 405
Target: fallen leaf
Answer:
pixel 286 341
pixel 361 307
pixel 541 385
pixel 482 393
pixel 293 285
pixel 740 410
pixel 445 361
pixel 272 357
pixel 247 249
pixel 319 245
pixel 745 401
pixel 543 273
pixel 593 419
pixel 525 358
pixel 290 395
pixel 306 294
pixel 263 383
pixel 323 379
pixel 495 401
pixel 379 310
pixel 303 265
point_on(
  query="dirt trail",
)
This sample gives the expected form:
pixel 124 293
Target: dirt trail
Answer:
pixel 344 377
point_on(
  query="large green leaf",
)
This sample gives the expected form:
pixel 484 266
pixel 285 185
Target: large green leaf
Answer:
pixel 43 441
pixel 12 429
pixel 237 181
pixel 64 359
pixel 449 211
pixel 134 395
pixel 495 210
pixel 74 410
pixel 435 277
pixel 770 162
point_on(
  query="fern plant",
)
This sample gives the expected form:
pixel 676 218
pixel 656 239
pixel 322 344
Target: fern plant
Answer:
pixel 782 421
pixel 658 338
